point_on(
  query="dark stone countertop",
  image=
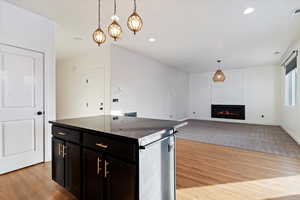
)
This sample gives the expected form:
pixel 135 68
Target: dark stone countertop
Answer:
pixel 143 130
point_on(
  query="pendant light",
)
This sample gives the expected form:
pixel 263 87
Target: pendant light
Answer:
pixel 219 76
pixel 135 22
pixel 114 29
pixel 99 36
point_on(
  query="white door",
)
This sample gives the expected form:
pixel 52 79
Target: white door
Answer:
pixel 21 108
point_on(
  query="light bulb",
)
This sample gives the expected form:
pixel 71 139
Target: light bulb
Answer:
pixel 115 30
pixel 135 22
pixel 99 36
pixel 219 76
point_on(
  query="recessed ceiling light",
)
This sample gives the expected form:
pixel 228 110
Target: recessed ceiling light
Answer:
pixel 248 11
pixel 277 52
pixel 151 39
pixel 78 38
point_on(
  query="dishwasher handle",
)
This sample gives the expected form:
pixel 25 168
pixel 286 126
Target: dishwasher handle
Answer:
pixel 157 141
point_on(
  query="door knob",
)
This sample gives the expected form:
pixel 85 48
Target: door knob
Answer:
pixel 39 113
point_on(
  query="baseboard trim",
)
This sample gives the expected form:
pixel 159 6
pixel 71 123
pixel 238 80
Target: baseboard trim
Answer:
pixel 235 121
pixel 290 134
pixel 184 119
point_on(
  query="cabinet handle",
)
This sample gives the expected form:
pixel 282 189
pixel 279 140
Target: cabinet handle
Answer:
pixel 64 151
pixel 102 145
pixel 98 166
pixel 106 172
pixel 59 149
pixel 60 133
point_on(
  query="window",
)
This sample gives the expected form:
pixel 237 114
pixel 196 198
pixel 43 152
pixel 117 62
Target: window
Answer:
pixel 290 88
pixel 291 83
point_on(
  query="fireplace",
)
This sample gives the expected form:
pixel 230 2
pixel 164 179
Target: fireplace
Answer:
pixel 228 111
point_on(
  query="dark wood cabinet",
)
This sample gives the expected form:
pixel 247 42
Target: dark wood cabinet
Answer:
pixel 120 180
pixel 73 168
pixel 66 165
pixel 93 181
pixel 58 163
pixel 107 178
pixel 122 150
pixel 89 172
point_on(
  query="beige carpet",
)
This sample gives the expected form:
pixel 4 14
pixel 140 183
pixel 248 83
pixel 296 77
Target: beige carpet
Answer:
pixel 268 139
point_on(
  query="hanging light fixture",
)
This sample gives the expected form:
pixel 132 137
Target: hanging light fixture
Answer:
pixel 219 76
pixel 135 22
pixel 114 29
pixel 99 36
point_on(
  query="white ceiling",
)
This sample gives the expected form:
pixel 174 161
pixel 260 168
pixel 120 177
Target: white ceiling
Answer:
pixel 190 35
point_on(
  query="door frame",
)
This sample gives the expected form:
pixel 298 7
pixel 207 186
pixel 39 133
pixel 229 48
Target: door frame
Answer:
pixel 46 116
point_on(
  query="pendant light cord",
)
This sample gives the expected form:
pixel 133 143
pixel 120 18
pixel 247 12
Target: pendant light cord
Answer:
pixel 115 7
pixel 99 14
pixel 134 5
pixel 219 63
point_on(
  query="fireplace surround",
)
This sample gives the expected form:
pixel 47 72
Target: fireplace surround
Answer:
pixel 228 111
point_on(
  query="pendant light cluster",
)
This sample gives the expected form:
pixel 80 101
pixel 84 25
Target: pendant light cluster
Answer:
pixel 134 23
pixel 219 76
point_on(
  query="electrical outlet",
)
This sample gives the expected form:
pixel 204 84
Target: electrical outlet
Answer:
pixel 115 118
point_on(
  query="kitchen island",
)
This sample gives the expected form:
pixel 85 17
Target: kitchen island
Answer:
pixel 115 158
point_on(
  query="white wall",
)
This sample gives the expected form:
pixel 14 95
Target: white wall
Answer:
pixel 258 88
pixel 70 73
pixel 141 84
pixel 148 87
pixel 290 116
pixel 24 29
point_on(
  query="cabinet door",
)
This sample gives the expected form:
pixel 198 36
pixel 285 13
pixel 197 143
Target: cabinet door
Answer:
pixel 120 180
pixel 58 163
pixel 93 181
pixel 73 168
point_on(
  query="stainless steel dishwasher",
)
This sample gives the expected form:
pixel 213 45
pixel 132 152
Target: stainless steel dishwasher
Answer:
pixel 157 169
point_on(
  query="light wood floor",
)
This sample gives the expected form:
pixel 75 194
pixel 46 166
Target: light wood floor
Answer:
pixel 204 172
pixel 200 164
pixel 212 172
